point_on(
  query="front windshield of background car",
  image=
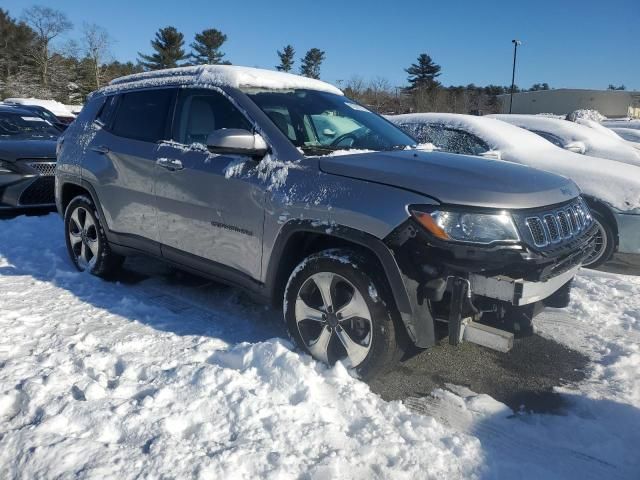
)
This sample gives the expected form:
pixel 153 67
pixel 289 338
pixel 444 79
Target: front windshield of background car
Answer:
pixel 25 125
pixel 321 122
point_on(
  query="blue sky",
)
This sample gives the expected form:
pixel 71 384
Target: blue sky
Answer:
pixel 578 44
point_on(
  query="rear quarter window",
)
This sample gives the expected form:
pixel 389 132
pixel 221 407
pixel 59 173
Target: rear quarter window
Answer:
pixel 143 115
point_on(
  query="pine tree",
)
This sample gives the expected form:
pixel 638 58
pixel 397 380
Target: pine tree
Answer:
pixel 286 59
pixel 311 62
pixel 206 48
pixel 168 50
pixel 423 74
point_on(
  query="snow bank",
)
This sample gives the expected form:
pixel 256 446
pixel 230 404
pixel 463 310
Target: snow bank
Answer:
pixel 616 183
pixel 223 75
pixel 102 380
pixel 586 114
pixel 57 108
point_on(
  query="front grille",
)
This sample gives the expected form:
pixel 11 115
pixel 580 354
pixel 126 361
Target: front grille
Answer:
pixel 558 225
pixel 40 192
pixel 46 169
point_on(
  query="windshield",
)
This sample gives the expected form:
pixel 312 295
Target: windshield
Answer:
pixel 321 122
pixel 25 125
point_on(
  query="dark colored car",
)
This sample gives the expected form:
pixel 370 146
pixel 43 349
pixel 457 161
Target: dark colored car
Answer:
pixel 27 159
pixel 46 114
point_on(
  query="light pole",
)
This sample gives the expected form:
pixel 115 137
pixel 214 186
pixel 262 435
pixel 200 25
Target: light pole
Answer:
pixel 513 74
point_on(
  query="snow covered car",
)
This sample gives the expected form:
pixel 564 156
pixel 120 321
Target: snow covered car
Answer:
pixel 611 188
pixel 27 159
pixel 575 137
pixel 221 170
pixel 631 135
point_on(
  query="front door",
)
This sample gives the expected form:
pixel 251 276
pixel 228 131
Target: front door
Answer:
pixel 123 165
pixel 207 217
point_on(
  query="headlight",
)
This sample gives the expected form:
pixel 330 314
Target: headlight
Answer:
pixel 461 226
pixel 5 167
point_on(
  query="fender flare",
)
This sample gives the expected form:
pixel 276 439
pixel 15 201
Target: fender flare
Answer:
pixel 415 315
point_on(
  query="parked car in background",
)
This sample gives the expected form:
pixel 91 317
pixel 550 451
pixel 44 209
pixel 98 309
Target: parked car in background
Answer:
pixel 64 113
pixel 241 174
pixel 611 188
pixel 42 112
pixel 631 135
pixel 576 137
pixel 27 159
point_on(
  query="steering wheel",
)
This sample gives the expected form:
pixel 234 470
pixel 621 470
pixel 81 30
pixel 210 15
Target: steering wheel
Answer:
pixel 343 137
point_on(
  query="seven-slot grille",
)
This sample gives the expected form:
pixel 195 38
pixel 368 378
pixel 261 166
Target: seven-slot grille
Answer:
pixel 560 224
pixel 46 169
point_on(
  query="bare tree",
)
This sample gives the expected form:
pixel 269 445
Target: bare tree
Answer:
pixel 96 45
pixel 48 24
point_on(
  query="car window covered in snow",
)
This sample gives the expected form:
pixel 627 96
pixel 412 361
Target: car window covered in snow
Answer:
pixel 26 125
pixel 200 112
pixel 446 138
pixel 322 122
pixel 143 115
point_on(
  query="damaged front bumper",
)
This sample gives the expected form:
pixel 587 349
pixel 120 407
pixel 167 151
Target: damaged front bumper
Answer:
pixel 518 292
pixel 462 285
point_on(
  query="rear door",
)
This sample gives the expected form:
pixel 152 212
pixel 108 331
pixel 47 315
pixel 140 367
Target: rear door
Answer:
pixel 210 216
pixel 125 174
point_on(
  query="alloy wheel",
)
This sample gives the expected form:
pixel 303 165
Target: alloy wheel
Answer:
pixel 599 247
pixel 83 237
pixel 333 319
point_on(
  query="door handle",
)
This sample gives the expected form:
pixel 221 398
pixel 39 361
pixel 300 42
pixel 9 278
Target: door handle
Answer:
pixel 101 149
pixel 170 164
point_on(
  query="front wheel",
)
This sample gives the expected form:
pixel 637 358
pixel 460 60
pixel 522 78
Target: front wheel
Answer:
pixel 86 241
pixel 335 308
pixel 604 242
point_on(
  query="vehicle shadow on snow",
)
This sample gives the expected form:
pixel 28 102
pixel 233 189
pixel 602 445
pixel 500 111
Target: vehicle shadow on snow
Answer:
pixel 144 290
pixel 593 439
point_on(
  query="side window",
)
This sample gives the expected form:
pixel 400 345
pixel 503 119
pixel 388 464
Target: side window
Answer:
pixel 107 111
pixel 465 143
pixel 143 115
pixel 200 112
pixel 550 137
pixel 422 132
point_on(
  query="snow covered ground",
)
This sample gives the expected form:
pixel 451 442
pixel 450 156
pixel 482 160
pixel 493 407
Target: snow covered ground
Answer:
pixel 168 379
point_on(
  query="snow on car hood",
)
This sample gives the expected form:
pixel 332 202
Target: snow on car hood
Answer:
pixel 613 182
pixel 456 179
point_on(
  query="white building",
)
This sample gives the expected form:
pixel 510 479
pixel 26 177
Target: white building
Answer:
pixel 611 103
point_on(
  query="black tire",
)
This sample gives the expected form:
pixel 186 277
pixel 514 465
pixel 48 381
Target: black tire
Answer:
pixel 90 250
pixel 605 245
pixel 385 340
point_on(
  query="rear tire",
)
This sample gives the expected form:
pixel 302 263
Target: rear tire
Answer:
pixel 336 307
pixel 86 241
pixel 605 242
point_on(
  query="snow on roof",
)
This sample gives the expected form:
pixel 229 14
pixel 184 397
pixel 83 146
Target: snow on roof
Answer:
pixel 53 106
pixel 222 75
pixel 596 142
pixel 613 182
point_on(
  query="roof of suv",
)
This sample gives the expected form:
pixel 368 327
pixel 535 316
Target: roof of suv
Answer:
pixel 219 75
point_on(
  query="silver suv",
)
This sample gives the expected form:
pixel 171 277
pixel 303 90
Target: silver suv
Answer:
pixel 282 186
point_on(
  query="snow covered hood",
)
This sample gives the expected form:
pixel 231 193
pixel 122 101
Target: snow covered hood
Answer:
pixel 613 182
pixel 222 75
pixel 456 179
